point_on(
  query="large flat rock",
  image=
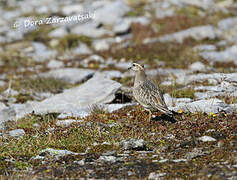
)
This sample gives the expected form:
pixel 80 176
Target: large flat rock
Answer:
pixel 72 75
pixel 208 106
pixel 96 90
pixel 197 33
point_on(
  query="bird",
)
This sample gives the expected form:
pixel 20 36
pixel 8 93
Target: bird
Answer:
pixel 147 93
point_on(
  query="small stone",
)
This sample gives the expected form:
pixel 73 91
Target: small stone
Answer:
pixel 72 75
pixel 110 153
pixel 154 175
pixel 179 160
pixel 72 9
pixel 66 123
pixel 102 44
pixel 205 47
pixel 111 159
pixel 41 52
pixel 114 10
pixel 197 66
pixel 163 160
pixel 53 64
pixel 2 106
pixel 2 83
pixel 195 153
pixel 36 125
pixel 82 49
pixel 53 152
pixel 206 139
pixel 17 133
pixel 133 144
pixel 10 92
pixel 122 26
pixel 228 55
pixel 58 33
pixel 81 162
pixel 198 33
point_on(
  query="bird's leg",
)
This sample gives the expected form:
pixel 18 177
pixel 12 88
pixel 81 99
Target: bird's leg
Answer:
pixel 150 115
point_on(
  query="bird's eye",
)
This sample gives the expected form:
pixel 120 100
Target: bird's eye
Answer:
pixel 133 65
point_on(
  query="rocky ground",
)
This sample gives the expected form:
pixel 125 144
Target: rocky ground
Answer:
pixel 66 109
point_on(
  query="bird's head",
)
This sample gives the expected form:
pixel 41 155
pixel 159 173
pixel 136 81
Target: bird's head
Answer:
pixel 136 67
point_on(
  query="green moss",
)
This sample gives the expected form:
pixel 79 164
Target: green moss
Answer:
pixel 40 34
pixel 71 41
pixel 22 98
pixel 22 165
pixel 96 109
pixel 184 93
pixel 78 137
pixel 41 84
pixel 13 60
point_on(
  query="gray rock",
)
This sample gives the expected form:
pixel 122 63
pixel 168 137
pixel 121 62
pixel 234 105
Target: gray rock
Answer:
pixel 154 175
pixel 76 113
pixel 205 47
pixel 206 139
pixel 110 159
pixel 169 100
pixel 133 144
pixel 228 27
pixel 20 110
pixel 197 66
pixel 2 83
pixel 58 33
pixel 80 163
pixel 123 65
pixel 160 14
pixel 72 75
pixel 110 153
pixel 10 92
pixel 54 153
pixel 36 125
pixel 102 44
pixel 122 26
pixel 72 9
pixel 81 49
pixel 41 52
pixel 230 54
pixel 114 107
pixel 227 23
pixel 90 29
pixel 7 114
pixel 112 74
pixel 93 58
pixel 67 122
pixel 205 4
pixel 115 10
pixel 141 20
pixel 197 33
pixel 17 133
pixel 163 9
pixel 2 106
pixel 96 90
pixel 179 160
pixel 196 152
pixel 208 106
pixel 217 77
pixel 53 64
pixel 207 95
pixel 209 88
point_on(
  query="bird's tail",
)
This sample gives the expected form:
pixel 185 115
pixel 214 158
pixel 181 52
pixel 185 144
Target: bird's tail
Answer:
pixel 166 111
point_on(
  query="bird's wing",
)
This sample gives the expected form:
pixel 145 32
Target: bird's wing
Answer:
pixel 152 96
